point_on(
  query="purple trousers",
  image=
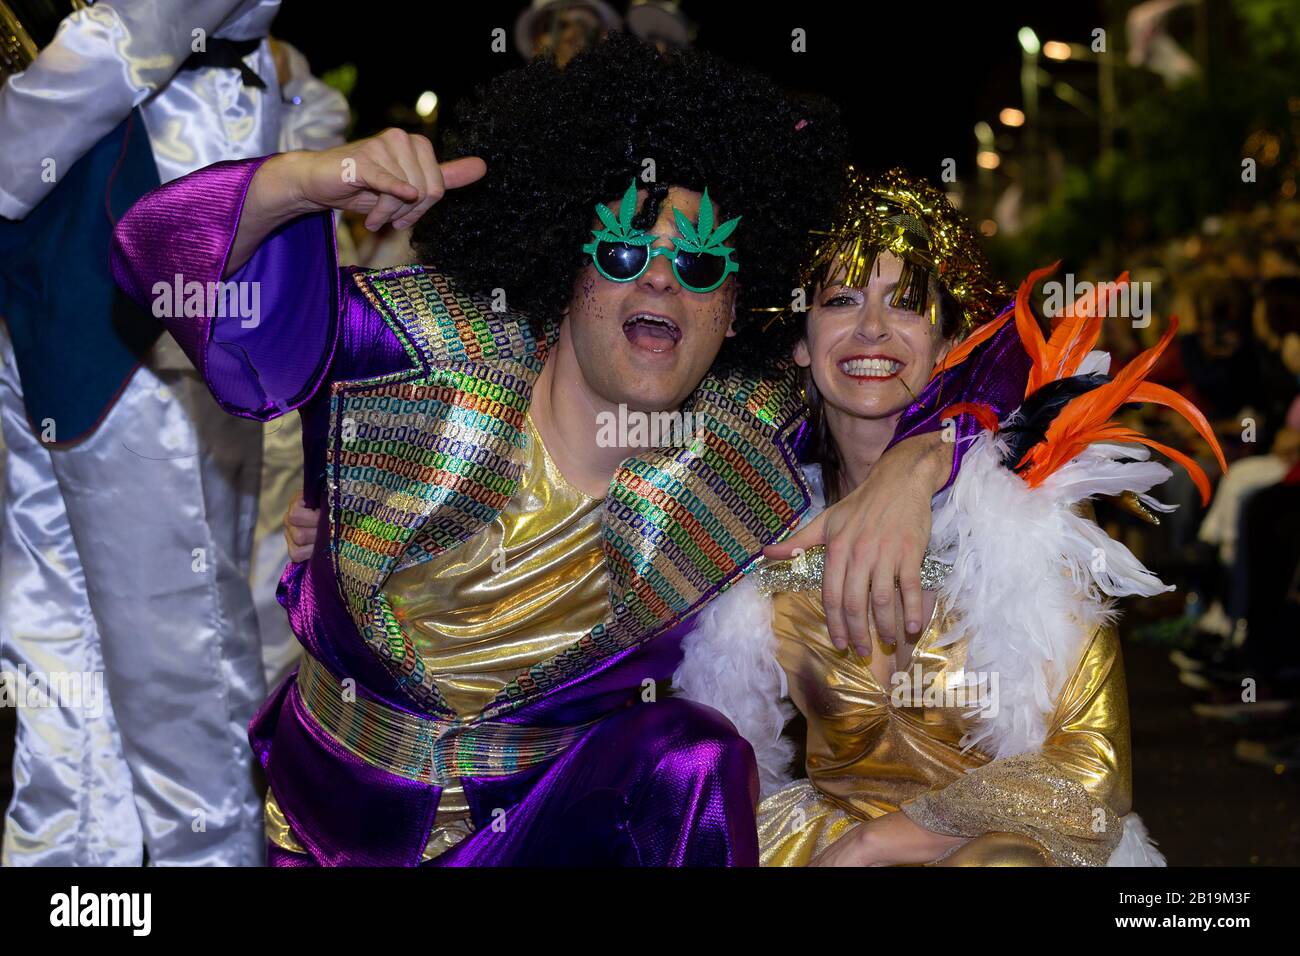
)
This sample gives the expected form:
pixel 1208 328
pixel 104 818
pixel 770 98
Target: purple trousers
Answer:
pixel 668 783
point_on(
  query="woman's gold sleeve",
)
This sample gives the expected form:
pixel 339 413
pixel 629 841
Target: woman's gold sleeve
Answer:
pixel 1070 795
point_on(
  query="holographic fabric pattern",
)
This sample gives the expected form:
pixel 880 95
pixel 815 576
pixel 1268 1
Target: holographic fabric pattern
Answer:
pixel 424 459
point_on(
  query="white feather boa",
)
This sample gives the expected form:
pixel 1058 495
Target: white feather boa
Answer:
pixel 997 533
pixel 729 662
pixel 1031 579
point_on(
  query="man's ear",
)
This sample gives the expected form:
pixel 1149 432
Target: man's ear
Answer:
pixel 802 357
pixel 731 326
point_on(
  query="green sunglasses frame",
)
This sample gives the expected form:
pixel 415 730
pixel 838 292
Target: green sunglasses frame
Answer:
pixel 697 239
pixel 729 266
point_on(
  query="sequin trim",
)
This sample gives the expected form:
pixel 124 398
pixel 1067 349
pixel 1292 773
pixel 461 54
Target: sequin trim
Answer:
pixel 422 459
pixel 1024 794
pixel 419 748
pixel 804 572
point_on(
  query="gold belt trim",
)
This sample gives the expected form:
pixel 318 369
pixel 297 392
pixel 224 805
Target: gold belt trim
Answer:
pixel 425 749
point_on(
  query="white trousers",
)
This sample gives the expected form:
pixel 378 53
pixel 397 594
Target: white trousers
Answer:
pixel 127 556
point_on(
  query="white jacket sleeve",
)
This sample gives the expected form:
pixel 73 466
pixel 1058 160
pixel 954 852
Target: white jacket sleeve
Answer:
pixel 316 115
pixel 104 61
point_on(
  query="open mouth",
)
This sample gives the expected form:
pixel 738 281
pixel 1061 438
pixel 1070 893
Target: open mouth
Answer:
pixel 654 333
pixel 870 366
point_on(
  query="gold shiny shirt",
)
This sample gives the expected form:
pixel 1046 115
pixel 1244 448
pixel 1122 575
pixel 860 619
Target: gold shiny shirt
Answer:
pixel 868 757
pixel 525 587
pixel 862 752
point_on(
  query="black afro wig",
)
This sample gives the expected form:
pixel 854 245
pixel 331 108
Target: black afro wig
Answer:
pixel 556 142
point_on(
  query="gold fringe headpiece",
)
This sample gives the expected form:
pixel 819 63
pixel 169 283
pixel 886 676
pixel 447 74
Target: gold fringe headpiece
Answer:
pixel 906 216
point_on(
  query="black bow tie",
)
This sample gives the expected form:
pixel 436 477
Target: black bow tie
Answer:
pixel 227 54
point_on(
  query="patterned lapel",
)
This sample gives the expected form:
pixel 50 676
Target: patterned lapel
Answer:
pixel 682 525
pixel 422 459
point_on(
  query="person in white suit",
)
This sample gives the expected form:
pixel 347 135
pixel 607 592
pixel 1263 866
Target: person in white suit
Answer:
pixel 124 558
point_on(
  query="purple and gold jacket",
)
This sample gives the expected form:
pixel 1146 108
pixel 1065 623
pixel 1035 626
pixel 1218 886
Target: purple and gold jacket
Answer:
pixel 413 396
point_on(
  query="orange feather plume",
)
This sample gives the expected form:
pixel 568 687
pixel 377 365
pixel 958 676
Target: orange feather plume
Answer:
pixel 963 350
pixel 1074 332
pixel 985 415
pixel 1087 419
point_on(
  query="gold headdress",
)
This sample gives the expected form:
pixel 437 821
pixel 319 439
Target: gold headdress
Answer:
pixel 901 214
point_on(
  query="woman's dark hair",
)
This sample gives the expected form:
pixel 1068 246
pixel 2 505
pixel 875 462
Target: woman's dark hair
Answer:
pixel 820 447
pixel 556 142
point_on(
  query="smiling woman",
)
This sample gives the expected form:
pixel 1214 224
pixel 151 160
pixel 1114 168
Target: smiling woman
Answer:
pixel 879 303
pixel 998 735
pixel 865 361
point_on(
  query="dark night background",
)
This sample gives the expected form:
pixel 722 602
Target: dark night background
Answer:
pixel 912 78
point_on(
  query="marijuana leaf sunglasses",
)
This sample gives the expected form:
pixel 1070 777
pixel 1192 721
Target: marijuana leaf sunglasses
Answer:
pixel 621 252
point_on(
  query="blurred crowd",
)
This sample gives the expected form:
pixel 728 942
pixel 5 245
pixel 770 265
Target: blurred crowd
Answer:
pixel 1234 626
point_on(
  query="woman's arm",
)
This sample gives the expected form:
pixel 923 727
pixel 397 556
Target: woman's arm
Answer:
pixel 876 536
pixel 890 840
pixel 1069 796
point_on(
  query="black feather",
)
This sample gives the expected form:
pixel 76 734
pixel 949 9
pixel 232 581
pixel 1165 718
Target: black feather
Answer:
pixel 1030 424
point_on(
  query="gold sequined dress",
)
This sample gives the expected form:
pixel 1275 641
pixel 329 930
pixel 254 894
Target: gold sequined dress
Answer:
pixel 868 756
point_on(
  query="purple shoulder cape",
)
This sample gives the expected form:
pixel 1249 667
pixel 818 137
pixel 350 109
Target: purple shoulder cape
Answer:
pixel 994 374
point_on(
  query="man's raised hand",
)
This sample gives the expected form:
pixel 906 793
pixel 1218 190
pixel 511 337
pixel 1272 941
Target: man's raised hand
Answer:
pixel 392 176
